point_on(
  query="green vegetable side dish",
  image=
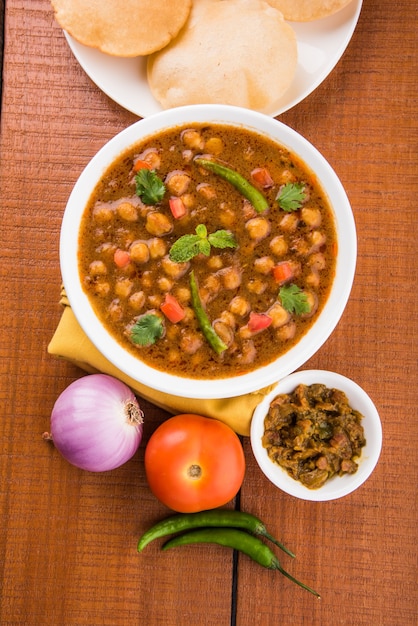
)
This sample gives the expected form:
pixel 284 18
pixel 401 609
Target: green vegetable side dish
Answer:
pixel 253 195
pixel 207 329
pixel 189 246
pixel 213 518
pixel 237 540
pixel 314 434
pixel 149 187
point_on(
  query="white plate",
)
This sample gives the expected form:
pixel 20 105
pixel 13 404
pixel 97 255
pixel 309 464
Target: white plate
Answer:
pixel 321 44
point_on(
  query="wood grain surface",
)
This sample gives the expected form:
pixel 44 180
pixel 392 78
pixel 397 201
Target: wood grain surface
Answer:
pixel 67 537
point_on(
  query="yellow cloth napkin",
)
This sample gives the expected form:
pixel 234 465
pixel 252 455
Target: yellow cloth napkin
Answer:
pixel 71 343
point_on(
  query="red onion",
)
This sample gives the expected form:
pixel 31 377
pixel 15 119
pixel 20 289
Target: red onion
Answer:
pixel 96 423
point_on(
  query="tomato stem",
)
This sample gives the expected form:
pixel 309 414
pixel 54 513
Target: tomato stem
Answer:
pixel 194 471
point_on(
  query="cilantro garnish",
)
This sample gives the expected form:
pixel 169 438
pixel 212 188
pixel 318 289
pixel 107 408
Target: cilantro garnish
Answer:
pixel 294 300
pixel 291 196
pixel 189 246
pixel 147 329
pixel 149 187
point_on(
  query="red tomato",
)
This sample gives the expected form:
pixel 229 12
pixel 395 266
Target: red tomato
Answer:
pixel 194 463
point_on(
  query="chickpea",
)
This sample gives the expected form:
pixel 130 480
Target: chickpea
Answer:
pixel 164 283
pixel 137 300
pixel 248 352
pixel 102 214
pixel 317 239
pixel 173 356
pixel 239 306
pixel 214 145
pixel 139 252
pixel 190 342
pixel 311 217
pixel 107 251
pixel 224 331
pixel 101 288
pixel 127 212
pixel 158 224
pixel 231 277
pixel 147 280
pixel 155 301
pixel 287 177
pixel 206 191
pixel 152 157
pixel 279 315
pixel 248 211
pixel 317 260
pixel 115 311
pixel 97 268
pixel 257 286
pixel 286 332
pixel 187 155
pixel 312 301
pixel 177 182
pixel 172 332
pixel 312 279
pixel 227 217
pixel 279 246
pixel 192 139
pixel 123 287
pixel 188 314
pixel 258 228
pixel 264 265
pixel 183 295
pixel 172 269
pixel 188 200
pixel 289 222
pixel 215 262
pixel 212 284
pixel 157 248
pixel 228 318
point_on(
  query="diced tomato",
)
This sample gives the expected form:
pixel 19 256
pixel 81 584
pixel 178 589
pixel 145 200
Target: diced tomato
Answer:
pixel 261 176
pixel 177 207
pixel 258 321
pixel 283 272
pixel 121 258
pixel 141 165
pixel 172 309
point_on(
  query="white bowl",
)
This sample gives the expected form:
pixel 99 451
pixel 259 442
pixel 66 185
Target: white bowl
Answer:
pixel 297 355
pixel 338 486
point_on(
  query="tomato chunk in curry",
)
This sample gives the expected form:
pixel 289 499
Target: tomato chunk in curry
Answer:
pixel 160 223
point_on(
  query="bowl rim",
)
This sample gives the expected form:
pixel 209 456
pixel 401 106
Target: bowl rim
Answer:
pixel 297 355
pixel 338 486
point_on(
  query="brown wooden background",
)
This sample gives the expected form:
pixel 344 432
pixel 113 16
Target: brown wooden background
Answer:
pixel 68 538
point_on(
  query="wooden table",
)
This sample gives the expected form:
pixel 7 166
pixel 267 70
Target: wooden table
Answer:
pixel 67 537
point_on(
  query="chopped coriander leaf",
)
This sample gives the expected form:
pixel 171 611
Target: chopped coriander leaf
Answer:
pixel 189 246
pixel 294 300
pixel 149 187
pixel 291 196
pixel 147 330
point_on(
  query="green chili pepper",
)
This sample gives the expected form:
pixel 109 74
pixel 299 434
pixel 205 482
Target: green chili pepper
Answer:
pixel 204 322
pixel 240 183
pixel 238 540
pixel 215 517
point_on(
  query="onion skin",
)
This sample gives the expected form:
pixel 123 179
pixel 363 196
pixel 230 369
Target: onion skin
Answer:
pixel 96 423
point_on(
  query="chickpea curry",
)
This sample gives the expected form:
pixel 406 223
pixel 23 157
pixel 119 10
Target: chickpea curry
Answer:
pixel 207 250
pixel 314 434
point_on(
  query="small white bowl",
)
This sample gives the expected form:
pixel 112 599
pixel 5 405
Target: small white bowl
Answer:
pixel 338 486
pixel 329 317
